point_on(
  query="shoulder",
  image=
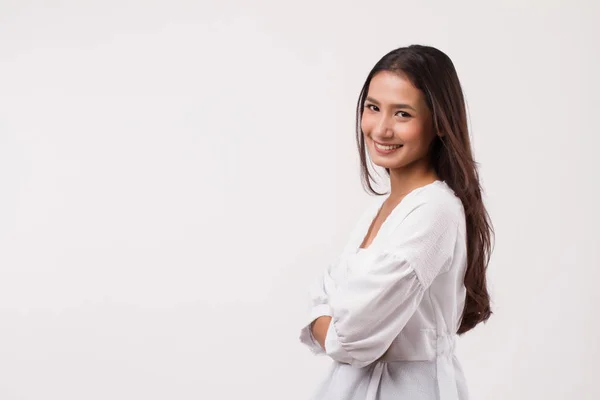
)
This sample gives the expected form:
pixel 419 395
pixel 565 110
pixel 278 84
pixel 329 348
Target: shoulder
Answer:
pixel 436 202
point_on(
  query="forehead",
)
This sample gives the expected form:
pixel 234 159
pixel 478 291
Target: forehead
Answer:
pixel 394 87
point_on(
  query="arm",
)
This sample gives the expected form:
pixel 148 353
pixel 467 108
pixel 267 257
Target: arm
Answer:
pixel 313 331
pixel 377 300
pixel 316 325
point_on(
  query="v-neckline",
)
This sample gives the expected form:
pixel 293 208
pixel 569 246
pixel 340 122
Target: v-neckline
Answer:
pixel 366 233
pixel 370 226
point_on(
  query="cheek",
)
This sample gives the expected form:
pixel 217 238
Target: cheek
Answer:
pixel 414 133
pixel 366 124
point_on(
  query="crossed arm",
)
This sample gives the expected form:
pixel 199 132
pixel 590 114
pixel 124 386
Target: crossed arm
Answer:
pixel 373 303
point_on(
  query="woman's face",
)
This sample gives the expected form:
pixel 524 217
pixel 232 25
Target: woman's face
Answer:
pixel 396 122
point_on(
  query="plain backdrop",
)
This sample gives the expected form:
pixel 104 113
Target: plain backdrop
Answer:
pixel 173 175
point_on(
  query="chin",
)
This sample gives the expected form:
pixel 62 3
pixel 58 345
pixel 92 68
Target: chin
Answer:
pixel 390 164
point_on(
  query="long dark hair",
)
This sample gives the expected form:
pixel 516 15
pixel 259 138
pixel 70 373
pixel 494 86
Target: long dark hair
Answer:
pixel 432 72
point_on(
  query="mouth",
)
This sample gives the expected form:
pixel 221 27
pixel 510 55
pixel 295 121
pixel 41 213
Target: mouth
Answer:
pixel 385 148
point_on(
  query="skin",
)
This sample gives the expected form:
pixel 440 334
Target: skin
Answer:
pixel 395 112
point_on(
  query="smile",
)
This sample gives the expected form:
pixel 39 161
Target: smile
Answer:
pixel 386 148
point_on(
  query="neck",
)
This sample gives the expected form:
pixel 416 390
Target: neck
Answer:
pixel 406 179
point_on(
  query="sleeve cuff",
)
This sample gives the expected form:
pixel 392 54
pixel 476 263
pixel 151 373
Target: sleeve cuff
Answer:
pixel 334 347
pixel 306 336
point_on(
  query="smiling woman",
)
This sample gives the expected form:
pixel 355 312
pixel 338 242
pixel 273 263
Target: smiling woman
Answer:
pixel 413 273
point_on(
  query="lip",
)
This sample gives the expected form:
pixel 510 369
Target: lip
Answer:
pixel 380 151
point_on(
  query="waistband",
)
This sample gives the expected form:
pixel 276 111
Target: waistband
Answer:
pixel 425 345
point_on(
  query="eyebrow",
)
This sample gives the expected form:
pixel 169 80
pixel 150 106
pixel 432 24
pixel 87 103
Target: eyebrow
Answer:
pixel 401 105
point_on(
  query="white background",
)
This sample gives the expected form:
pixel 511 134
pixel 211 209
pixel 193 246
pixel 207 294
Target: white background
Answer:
pixel 173 174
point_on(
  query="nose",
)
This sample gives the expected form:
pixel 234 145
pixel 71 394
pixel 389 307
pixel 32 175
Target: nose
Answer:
pixel 383 128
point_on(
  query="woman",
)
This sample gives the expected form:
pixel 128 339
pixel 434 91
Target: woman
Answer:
pixel 412 275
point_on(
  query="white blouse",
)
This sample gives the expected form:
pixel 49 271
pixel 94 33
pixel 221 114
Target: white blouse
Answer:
pixel 396 306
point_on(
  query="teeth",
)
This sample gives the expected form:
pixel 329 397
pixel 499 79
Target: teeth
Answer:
pixel 383 147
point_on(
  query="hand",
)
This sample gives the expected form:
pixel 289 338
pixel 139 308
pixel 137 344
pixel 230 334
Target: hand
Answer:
pixel 319 329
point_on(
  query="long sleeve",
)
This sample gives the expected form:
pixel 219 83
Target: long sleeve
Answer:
pixel 378 297
pixel 318 302
pixel 325 282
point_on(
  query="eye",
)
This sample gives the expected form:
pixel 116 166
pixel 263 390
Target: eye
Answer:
pixel 371 105
pixel 403 114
